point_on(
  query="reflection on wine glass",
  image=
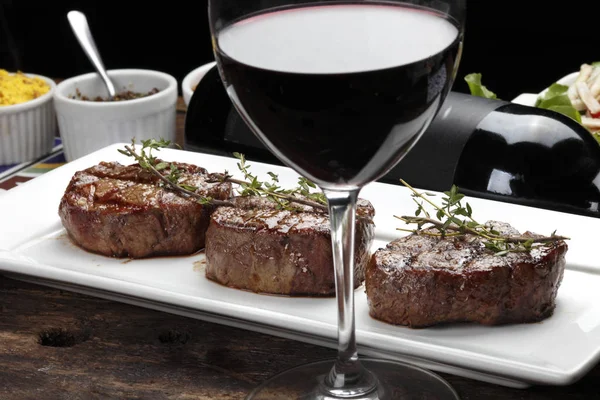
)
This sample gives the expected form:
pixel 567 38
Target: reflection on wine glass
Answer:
pixel 340 91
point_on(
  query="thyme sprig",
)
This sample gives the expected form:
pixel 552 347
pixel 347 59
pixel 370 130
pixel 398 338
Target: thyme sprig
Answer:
pixel 170 176
pixel 448 222
pixel 147 161
pixel 284 198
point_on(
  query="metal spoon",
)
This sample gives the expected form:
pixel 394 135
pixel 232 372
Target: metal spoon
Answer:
pixel 82 32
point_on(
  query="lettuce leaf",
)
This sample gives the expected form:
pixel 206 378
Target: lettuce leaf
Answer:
pixel 477 89
pixel 555 96
pixel 556 99
pixel 569 111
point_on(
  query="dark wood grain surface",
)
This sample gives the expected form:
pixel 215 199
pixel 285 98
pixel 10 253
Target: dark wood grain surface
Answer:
pixel 61 345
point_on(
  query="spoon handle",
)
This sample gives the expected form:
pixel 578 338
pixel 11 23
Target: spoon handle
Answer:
pixel 80 27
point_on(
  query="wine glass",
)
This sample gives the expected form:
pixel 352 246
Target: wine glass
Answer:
pixel 340 91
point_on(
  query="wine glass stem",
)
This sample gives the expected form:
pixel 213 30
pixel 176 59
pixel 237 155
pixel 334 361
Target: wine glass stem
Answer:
pixel 348 377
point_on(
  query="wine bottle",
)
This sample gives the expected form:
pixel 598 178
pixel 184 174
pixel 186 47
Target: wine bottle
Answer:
pixel 507 152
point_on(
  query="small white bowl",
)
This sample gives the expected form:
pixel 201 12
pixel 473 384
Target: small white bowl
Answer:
pixel 192 79
pixel 87 126
pixel 27 130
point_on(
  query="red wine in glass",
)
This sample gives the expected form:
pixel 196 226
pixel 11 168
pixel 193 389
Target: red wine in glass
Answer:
pixel 342 115
pixel 340 91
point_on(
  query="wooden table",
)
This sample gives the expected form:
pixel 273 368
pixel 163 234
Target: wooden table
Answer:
pixel 60 345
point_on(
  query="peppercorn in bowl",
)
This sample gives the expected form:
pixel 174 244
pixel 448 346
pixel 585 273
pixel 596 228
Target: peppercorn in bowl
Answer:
pixel 143 108
pixel 27 116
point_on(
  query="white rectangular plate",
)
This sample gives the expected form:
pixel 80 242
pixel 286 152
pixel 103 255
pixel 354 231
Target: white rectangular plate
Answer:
pixel 557 351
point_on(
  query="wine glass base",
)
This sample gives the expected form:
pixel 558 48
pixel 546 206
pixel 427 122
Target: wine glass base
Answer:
pixel 397 381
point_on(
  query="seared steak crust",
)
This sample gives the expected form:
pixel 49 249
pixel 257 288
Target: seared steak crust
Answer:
pixel 421 280
pixel 122 211
pixel 256 247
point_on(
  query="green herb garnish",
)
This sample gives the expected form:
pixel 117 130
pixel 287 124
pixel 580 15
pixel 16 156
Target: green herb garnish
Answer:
pixel 271 190
pixel 455 219
pixel 170 177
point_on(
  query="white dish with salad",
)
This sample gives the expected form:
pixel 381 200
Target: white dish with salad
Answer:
pixel 530 99
pixel 576 95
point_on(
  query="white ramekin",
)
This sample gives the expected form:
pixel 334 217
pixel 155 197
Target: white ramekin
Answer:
pixel 87 126
pixel 192 79
pixel 27 130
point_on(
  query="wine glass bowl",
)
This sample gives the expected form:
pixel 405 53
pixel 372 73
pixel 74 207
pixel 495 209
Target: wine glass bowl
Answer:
pixel 340 91
pixel 361 107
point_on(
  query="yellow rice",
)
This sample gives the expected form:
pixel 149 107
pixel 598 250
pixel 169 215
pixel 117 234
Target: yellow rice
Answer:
pixel 18 88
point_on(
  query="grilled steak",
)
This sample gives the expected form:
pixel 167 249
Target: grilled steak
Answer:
pixel 121 211
pixel 256 247
pixel 420 280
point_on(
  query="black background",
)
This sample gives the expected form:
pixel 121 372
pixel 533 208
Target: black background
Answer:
pixel 518 46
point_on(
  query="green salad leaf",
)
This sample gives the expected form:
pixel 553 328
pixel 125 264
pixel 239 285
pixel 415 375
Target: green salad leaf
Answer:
pixel 477 89
pixel 557 99
pixel 569 111
pixel 556 95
